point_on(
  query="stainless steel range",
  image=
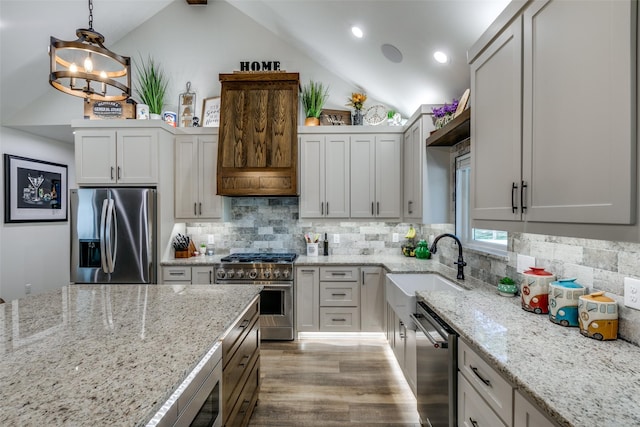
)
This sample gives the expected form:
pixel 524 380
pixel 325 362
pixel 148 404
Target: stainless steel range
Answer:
pixel 275 273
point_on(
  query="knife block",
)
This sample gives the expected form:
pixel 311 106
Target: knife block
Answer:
pixel 182 254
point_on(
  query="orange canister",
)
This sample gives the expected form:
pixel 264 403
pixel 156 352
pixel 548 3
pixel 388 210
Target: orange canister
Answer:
pixel 534 290
pixel 598 316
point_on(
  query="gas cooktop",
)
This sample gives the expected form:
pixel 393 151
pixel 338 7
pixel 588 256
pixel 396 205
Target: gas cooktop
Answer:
pixel 260 257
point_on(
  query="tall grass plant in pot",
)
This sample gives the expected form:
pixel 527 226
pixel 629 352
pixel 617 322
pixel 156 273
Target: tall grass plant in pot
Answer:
pixel 314 95
pixel 151 86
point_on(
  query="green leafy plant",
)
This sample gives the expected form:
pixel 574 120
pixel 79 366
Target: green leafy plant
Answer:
pixel 152 84
pixel 314 95
pixel 507 281
pixel 390 114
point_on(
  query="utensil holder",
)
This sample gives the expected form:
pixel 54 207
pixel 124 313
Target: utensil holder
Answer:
pixel 312 249
pixel 182 254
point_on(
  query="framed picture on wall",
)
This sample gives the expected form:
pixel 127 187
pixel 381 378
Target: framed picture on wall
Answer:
pixel 211 112
pixel 34 190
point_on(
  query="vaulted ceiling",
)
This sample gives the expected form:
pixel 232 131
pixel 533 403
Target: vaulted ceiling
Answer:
pixel 416 28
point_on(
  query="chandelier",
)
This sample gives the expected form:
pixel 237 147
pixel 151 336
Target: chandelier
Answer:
pixel 87 69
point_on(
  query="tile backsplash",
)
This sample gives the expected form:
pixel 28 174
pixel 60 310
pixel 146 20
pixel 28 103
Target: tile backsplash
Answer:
pixel 273 224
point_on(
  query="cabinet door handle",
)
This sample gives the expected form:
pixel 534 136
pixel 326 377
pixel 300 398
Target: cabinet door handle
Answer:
pixel 378 205
pixel 473 422
pixel 372 213
pixel 200 206
pixel 210 277
pixel 244 324
pixel 243 361
pixel 194 209
pixel 484 380
pixel 322 208
pixel 112 173
pixel 522 196
pixel 514 188
pixel 327 208
pixel 409 207
pixel 119 172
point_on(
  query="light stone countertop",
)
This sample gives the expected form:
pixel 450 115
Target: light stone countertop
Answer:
pixel 578 381
pixel 107 354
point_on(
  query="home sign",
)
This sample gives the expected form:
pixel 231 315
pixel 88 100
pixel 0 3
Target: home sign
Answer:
pixel 259 65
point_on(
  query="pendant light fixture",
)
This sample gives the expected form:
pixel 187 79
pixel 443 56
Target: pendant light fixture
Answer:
pixel 87 69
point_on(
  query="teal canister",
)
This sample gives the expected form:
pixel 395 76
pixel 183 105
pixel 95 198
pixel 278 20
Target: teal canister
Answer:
pixel 422 251
pixel 564 296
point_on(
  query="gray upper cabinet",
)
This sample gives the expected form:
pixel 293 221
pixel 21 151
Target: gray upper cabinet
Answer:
pixel 324 181
pixel 554 104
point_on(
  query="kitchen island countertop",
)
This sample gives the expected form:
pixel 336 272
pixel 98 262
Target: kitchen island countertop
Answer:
pixel 107 354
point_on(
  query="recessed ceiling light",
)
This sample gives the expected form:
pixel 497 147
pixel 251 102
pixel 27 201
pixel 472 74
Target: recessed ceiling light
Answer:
pixel 357 32
pixel 441 57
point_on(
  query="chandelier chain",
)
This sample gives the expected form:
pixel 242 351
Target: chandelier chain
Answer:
pixel 90 15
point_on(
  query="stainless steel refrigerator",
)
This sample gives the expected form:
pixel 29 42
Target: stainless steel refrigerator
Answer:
pixel 113 235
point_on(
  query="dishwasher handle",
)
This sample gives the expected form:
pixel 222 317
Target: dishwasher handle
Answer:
pixel 434 337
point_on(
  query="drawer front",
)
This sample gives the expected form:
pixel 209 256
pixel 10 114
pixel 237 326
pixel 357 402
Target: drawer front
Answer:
pixel 176 274
pixel 339 274
pixel 240 414
pixel 342 294
pixel 236 371
pixel 496 390
pixel 236 334
pixel 339 319
pixel 472 410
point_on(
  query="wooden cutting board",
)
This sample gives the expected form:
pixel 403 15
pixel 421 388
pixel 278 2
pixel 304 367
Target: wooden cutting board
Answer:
pixel 462 104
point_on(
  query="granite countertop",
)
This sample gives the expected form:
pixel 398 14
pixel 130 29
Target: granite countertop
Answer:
pixel 578 381
pixel 107 354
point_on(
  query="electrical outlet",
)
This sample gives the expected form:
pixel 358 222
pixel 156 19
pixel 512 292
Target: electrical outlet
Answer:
pixel 27 288
pixel 336 238
pixel 395 237
pixel 524 262
pixel 632 293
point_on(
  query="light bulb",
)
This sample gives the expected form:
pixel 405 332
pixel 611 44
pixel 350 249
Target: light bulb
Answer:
pixel 73 67
pixel 357 32
pixel 88 64
pixel 103 75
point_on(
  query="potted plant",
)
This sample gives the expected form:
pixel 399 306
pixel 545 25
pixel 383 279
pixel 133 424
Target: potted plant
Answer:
pixel 151 86
pixel 507 287
pixel 314 95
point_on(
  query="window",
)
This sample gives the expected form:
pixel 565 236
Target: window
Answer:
pixel 495 240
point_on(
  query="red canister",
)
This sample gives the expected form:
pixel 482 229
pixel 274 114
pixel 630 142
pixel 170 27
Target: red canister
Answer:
pixel 534 290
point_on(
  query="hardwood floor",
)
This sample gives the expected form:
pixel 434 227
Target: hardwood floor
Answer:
pixel 332 382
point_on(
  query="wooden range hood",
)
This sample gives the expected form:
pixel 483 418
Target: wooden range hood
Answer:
pixel 258 138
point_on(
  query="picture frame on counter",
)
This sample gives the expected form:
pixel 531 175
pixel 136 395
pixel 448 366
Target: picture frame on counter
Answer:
pixel 211 112
pixel 34 190
pixel 335 118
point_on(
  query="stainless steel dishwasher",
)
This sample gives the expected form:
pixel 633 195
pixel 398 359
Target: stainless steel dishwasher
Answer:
pixel 436 354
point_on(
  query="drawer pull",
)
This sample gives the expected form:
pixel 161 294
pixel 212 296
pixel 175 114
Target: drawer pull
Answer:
pixel 176 273
pixel 339 295
pixel 484 380
pixel 244 324
pixel 245 407
pixel 339 320
pixel 338 273
pixel 243 361
pixel 473 422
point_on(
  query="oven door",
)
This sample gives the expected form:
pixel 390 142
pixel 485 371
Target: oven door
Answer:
pixel 276 312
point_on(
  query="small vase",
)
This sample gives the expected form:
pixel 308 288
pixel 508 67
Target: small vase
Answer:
pixel 154 116
pixel 357 118
pixel 312 121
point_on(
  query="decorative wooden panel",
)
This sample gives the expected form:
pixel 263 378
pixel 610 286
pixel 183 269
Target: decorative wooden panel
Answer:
pixel 258 141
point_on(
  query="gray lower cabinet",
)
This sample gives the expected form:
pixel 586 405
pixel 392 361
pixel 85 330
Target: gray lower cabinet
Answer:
pixel 402 340
pixel 339 299
pixel 184 275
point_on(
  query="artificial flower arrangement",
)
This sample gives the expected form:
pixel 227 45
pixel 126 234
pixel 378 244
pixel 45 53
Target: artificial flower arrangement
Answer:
pixel 357 101
pixel 444 114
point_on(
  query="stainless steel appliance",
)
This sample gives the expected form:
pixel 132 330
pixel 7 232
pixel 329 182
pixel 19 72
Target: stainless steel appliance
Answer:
pixel 113 235
pixel 437 365
pixel 275 272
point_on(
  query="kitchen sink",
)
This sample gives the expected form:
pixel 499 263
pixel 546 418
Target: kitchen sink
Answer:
pixel 401 291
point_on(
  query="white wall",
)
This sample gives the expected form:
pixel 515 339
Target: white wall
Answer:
pixel 35 253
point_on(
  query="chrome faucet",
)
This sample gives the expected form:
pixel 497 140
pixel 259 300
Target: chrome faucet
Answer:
pixel 460 261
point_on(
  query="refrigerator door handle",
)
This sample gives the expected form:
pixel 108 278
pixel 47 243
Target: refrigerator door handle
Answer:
pixel 111 231
pixel 103 237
